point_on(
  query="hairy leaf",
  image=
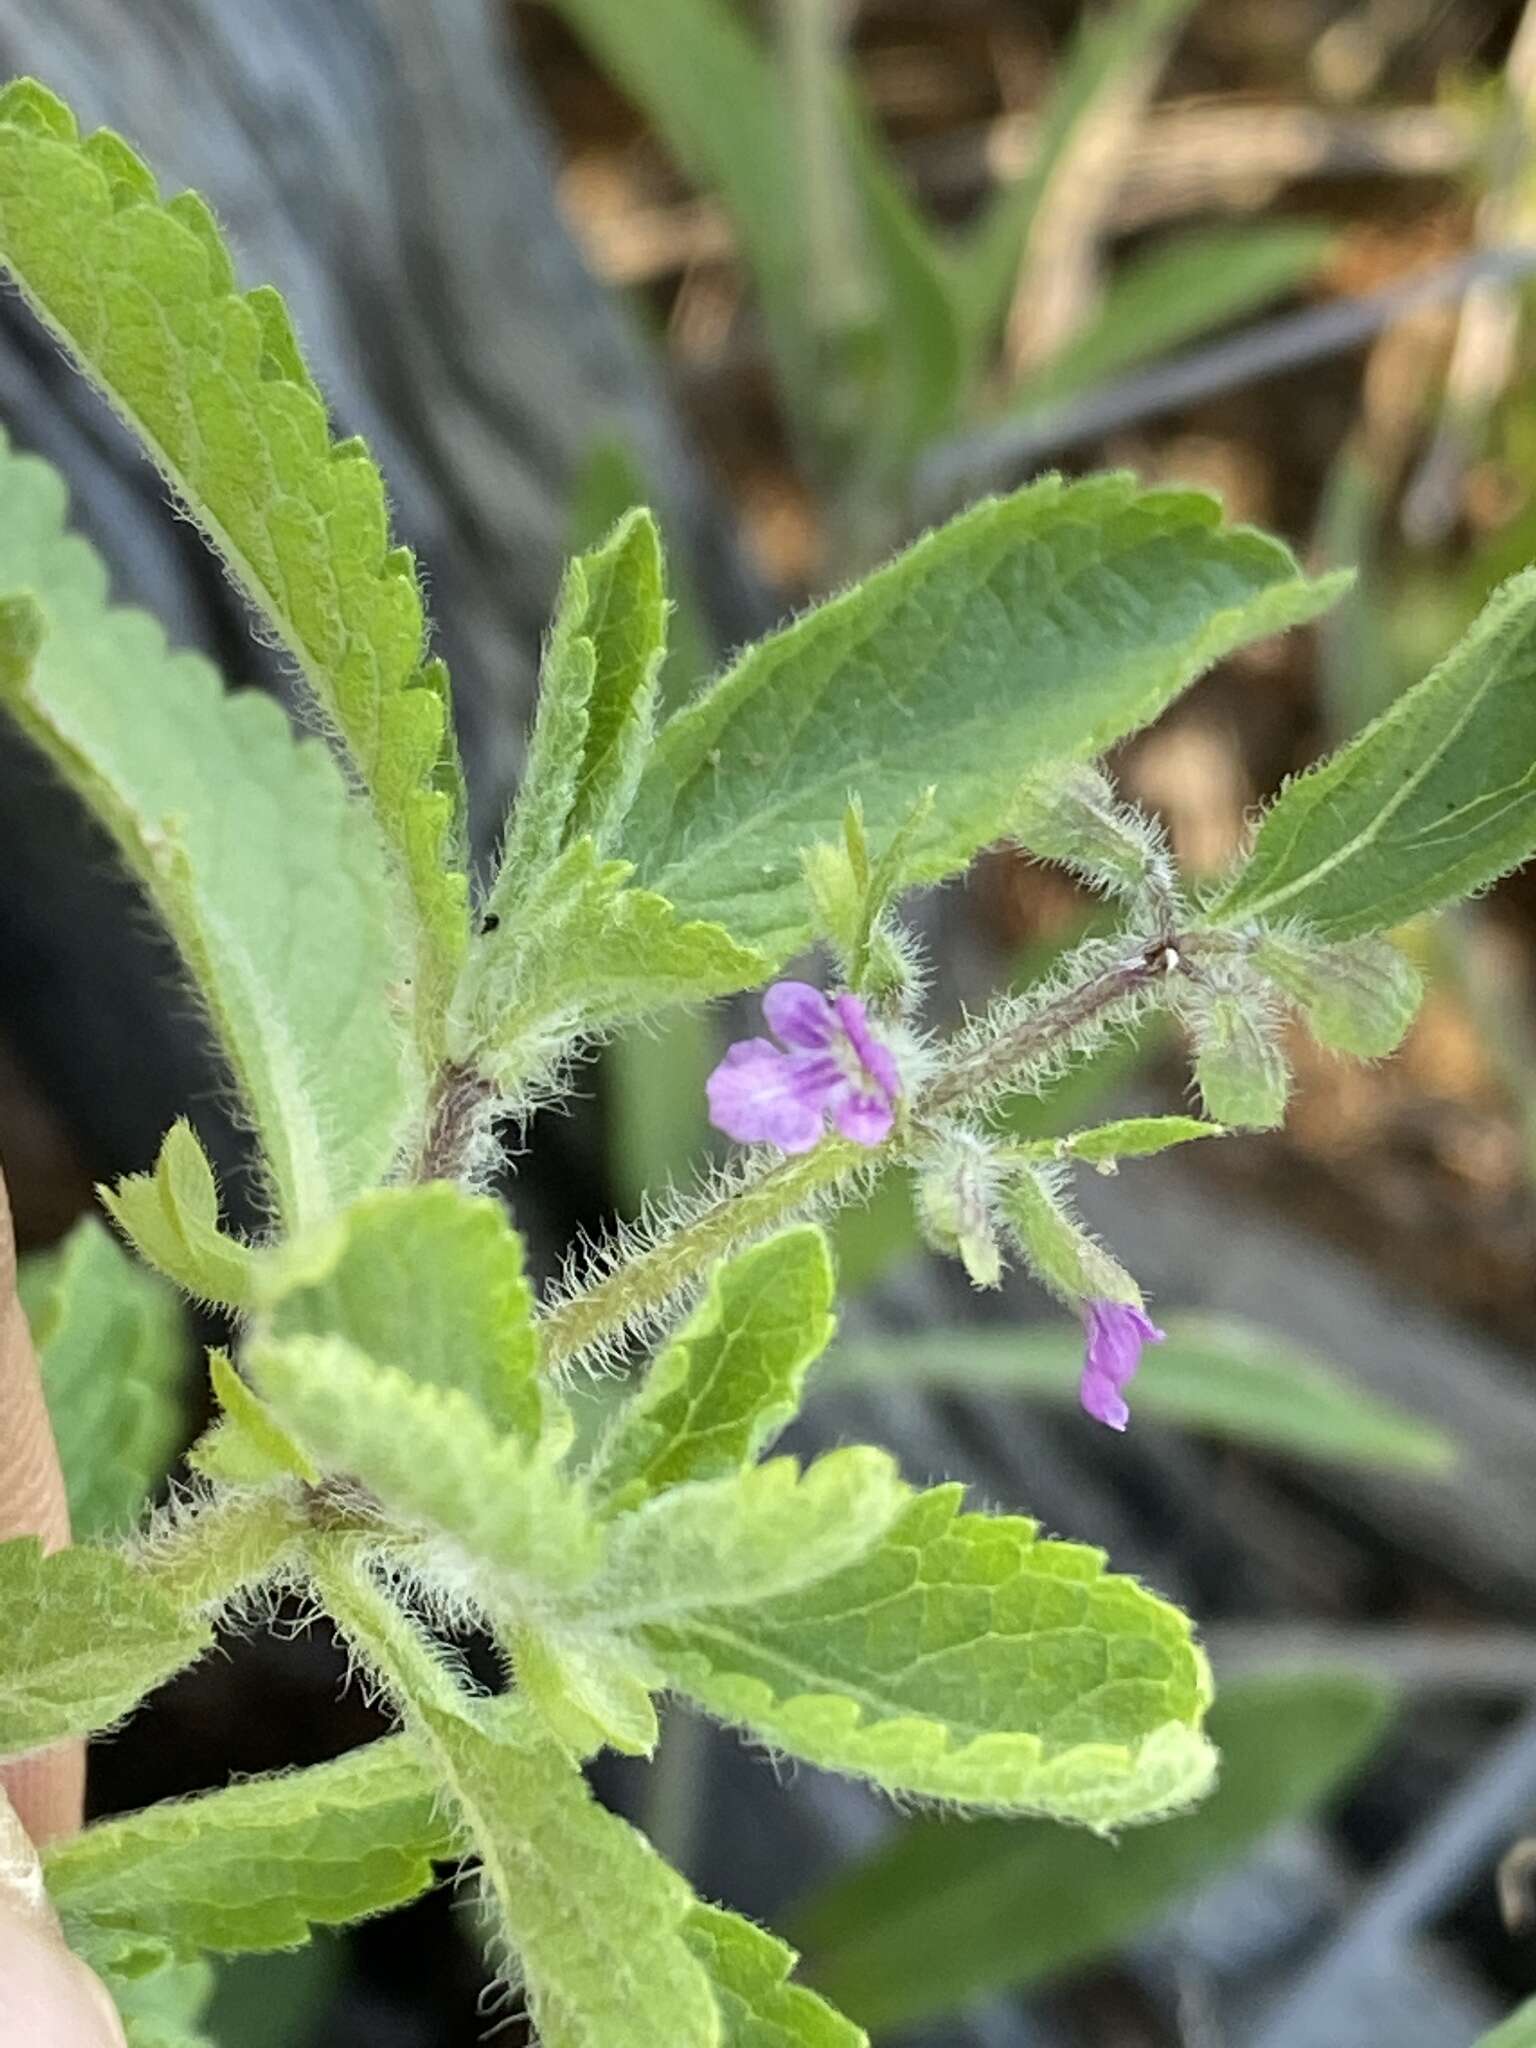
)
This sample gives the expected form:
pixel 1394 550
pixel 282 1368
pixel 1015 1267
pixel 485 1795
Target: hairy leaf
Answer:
pixel 1031 629
pixel 731 1379
pixel 245 1446
pixel 759 2008
pixel 1357 998
pixel 582 950
pixel 270 880
pixel 947 1913
pixel 431 1457
pixel 172 1217
pixel 587 1688
pixel 256 1865
pixel 429 1280
pixel 965 1659
pixel 726 1543
pixel 595 1919
pixel 87 1635
pixel 1131 1137
pixel 112 1348
pixel 143 296
pixel 1227 1379
pixel 1433 801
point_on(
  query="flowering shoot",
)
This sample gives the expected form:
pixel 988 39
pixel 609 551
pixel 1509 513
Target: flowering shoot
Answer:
pixel 829 1065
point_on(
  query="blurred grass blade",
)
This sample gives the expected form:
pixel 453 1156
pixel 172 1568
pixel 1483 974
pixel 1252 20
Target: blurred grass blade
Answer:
pixel 1224 1378
pixel 949 1911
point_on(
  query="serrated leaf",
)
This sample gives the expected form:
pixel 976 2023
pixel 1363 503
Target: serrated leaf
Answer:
pixel 593 1916
pixel 142 295
pixel 432 1457
pixel 269 878
pixel 112 1348
pixel 256 1865
pixel 86 1636
pixel 1434 800
pixel 723 1543
pixel 1228 1379
pixel 1130 1137
pixel 430 1280
pixel 1031 629
pixel 586 1688
pixel 172 1217
pixel 759 2008
pixel 245 1446
pixel 583 949
pixel 731 1380
pixel 966 1659
pixel 952 1911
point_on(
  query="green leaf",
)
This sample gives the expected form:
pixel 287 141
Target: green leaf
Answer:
pixel 268 877
pixel 112 1347
pixel 143 296
pixel 245 1446
pixel 432 1458
pixel 592 1915
pixel 583 950
pixel 725 1543
pixel 1240 1068
pixel 172 1217
pixel 428 1280
pixel 23 628
pixel 159 1999
pixel 1130 1137
pixel 759 2008
pixel 1358 998
pixel 1175 293
pixel 953 1911
pixel 965 1659
pixel 731 1379
pixel 1433 801
pixel 586 1688
pixel 86 1636
pixel 1226 1379
pixel 1031 629
pixel 1518 2031
pixel 256 1865
pixel 597 698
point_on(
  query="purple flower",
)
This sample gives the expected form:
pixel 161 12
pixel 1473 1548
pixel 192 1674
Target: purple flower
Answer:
pixel 1116 1331
pixel 834 1067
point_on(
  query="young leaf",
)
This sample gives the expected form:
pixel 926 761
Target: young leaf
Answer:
pixel 1240 1068
pixel 727 1543
pixel 256 1865
pixel 112 1348
pixel 429 1280
pixel 143 296
pixel 587 1689
pixel 1433 801
pixel 582 950
pixel 172 1217
pixel 245 1446
pixel 731 1379
pixel 268 877
pixel 1031 629
pixel 749 1971
pixel 1358 998
pixel 1226 1379
pixel 431 1456
pixel 87 1635
pixel 965 1659
pixel 1131 1137
pixel 945 1914
pixel 595 1919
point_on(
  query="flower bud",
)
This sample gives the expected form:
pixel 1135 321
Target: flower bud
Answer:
pixel 956 1193
pixel 1238 1062
pixel 1057 1247
pixel 1358 997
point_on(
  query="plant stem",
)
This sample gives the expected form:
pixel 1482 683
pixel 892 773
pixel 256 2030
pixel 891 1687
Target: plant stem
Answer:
pixel 206 1558
pixel 637 1288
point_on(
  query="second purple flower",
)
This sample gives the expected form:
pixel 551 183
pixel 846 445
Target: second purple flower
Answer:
pixel 829 1066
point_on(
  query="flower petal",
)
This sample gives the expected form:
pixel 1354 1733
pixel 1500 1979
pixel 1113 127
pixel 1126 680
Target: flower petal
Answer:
pixel 800 1015
pixel 758 1094
pixel 1116 1332
pixel 861 1115
pixel 876 1059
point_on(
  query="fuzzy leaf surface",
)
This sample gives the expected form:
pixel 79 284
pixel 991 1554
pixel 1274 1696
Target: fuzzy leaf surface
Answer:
pixel 749 1969
pixel 432 1457
pixel 172 1217
pixel 143 295
pixel 87 1635
pixel 270 879
pixel 1035 628
pixel 966 1659
pixel 428 1280
pixel 1433 801
pixel 595 1919
pixel 731 1379
pixel 256 1865
pixel 112 1348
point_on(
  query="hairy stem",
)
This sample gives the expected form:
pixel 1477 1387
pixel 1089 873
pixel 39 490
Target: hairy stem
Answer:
pixel 612 1303
pixel 208 1556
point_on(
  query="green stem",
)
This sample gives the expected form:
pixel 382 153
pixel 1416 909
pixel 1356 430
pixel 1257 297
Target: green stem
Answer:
pixel 215 1553
pixel 400 1654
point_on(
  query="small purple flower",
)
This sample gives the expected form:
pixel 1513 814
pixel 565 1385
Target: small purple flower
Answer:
pixel 1116 1331
pixel 835 1067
